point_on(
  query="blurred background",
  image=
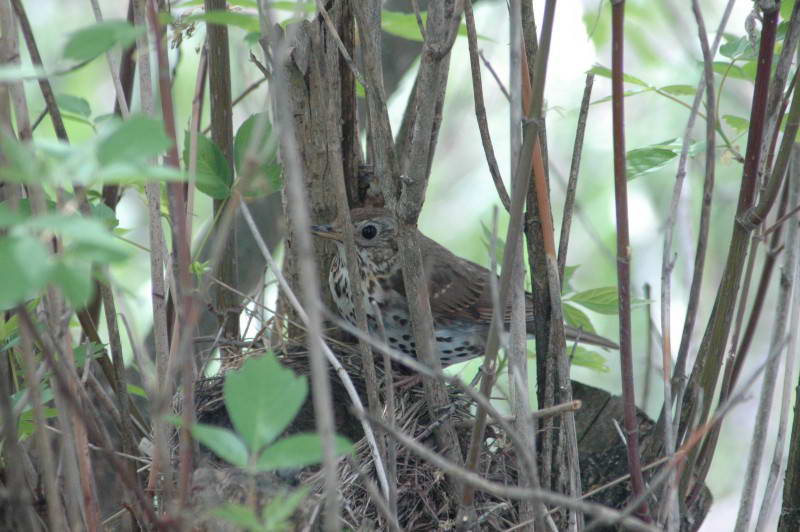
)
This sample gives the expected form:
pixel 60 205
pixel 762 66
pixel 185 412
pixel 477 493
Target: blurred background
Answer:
pixel 662 50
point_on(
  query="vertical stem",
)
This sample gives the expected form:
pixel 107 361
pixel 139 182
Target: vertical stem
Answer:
pixel 624 252
pixel 225 301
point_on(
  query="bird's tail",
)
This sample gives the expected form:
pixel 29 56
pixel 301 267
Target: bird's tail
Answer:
pixel 585 337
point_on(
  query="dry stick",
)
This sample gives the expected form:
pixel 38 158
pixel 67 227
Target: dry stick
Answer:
pixel 517 350
pixel 776 466
pixel 112 67
pixel 707 367
pixel 782 311
pixel 521 177
pixel 601 513
pixel 670 500
pixel 391 415
pixel 480 107
pixel 572 184
pixel 185 306
pixel 624 254
pixel 225 303
pixel 497 79
pixel 115 343
pixel 158 289
pixel 194 132
pixel 299 219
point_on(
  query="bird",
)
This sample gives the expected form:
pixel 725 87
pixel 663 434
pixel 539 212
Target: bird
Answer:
pixel 460 294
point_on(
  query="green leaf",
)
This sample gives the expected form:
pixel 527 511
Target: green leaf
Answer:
pixel 89 42
pixel 738 48
pixel 268 177
pixel 262 398
pixel 25 269
pixel 74 104
pixel 246 21
pixel 223 442
pixel 213 174
pixel 569 271
pixel 737 122
pixel 282 506
pixel 575 317
pixel 603 300
pixel 645 160
pixel 605 72
pixel 298 450
pixel 786 9
pixel 137 391
pixel 734 71
pixel 238 514
pixel 85 238
pixel 74 278
pixel 137 174
pixel 135 140
pixel 588 359
pixel 679 90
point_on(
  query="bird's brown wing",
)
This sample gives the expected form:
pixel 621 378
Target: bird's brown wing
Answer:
pixel 460 290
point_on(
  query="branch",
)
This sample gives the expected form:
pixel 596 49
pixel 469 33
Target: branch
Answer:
pixel 624 254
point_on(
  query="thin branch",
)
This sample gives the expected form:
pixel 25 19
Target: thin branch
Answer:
pixel 624 254
pixel 572 184
pixel 480 107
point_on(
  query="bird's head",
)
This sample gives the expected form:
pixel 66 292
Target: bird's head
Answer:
pixel 374 231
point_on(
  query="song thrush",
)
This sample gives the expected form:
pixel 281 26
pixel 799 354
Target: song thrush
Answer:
pixel 459 290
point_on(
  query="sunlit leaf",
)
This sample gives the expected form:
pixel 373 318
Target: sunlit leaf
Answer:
pixel 679 90
pixel 737 122
pixel 645 160
pixel 225 443
pixel 575 317
pixel 605 72
pixel 246 21
pixel 240 515
pixel 603 300
pixel 89 42
pixel 213 172
pixel 74 278
pixel 588 359
pixel 24 270
pixel 137 139
pixel 297 450
pixel 74 104
pixel 262 398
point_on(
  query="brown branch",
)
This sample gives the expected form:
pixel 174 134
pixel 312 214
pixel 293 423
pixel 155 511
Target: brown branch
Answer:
pixel 185 306
pixel 572 184
pixel 226 305
pixel 624 254
pixel 480 107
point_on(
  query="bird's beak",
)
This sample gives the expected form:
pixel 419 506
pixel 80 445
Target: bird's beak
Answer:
pixel 327 231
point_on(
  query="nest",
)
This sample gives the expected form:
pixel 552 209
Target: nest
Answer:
pixel 423 500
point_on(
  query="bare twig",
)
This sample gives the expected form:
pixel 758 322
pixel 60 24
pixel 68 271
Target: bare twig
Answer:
pixel 480 107
pixel 624 254
pixel 572 185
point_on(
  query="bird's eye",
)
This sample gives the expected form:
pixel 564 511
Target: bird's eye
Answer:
pixel 369 231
